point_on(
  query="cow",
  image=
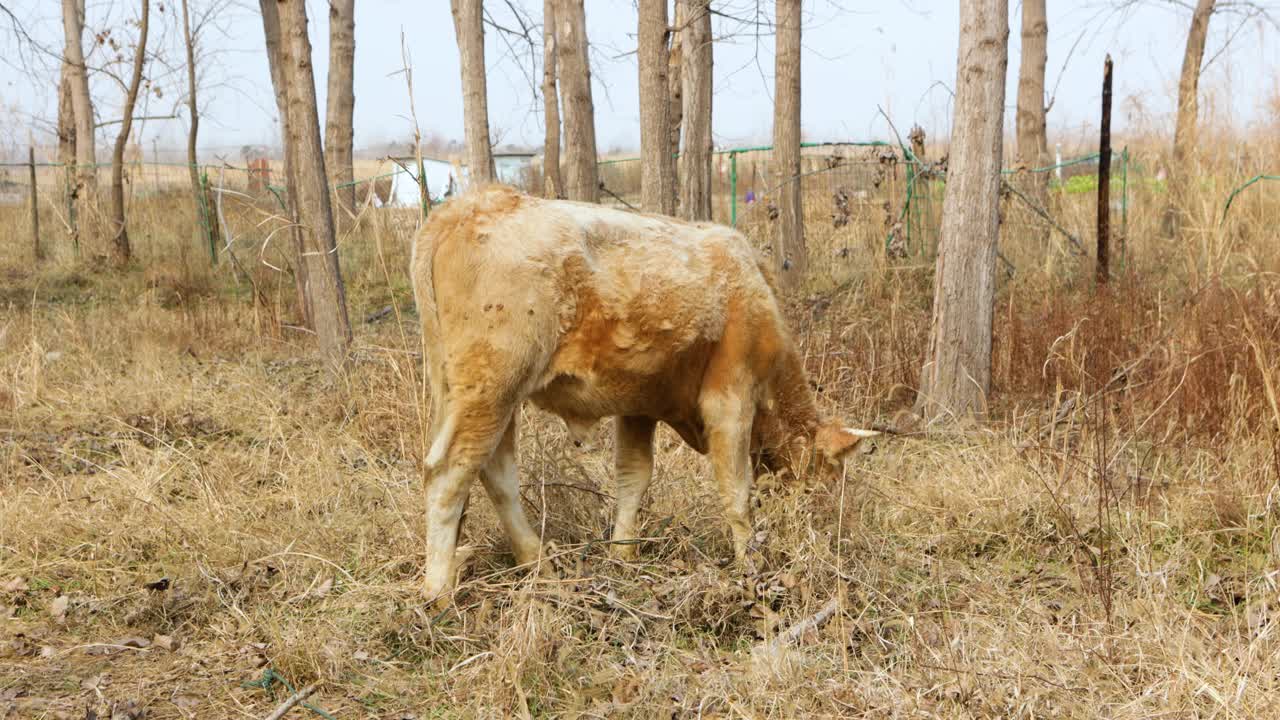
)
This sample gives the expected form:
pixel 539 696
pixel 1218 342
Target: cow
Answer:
pixel 592 312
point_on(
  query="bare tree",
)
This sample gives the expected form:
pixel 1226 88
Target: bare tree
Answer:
pixel 66 130
pixel 655 166
pixel 790 253
pixel 675 99
pixel 1033 146
pixel 205 221
pixel 120 230
pixel 327 297
pixel 468 25
pixel 581 181
pixel 1185 133
pixel 956 376
pixel 695 161
pixel 552 186
pixel 82 107
pixel 340 109
pixel 277 59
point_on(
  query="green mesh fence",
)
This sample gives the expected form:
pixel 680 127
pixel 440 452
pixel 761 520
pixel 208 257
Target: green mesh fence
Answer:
pixel 876 194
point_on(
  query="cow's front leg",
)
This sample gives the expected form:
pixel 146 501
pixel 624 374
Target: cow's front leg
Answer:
pixel 633 464
pixel 727 417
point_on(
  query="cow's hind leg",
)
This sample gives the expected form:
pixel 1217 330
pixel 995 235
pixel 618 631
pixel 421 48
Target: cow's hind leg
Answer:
pixel 503 485
pixel 633 463
pixel 470 435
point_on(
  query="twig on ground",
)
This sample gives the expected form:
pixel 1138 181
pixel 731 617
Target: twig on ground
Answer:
pixel 814 621
pixel 292 701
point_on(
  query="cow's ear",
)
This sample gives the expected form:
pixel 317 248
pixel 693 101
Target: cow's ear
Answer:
pixel 835 442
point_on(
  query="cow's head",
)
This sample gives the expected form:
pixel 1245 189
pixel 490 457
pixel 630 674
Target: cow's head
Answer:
pixel 822 450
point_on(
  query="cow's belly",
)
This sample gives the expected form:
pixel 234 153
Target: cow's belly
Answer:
pixel 582 395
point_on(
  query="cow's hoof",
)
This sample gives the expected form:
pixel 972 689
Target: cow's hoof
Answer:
pixel 437 596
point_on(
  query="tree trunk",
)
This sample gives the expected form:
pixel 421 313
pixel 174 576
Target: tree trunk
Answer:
pixel 66 136
pixel 695 161
pixel 120 230
pixel 581 182
pixel 1185 133
pixel 551 186
pixel 675 99
pixel 315 216
pixel 277 59
pixel 205 221
pixel 86 187
pixel 1033 147
pixel 956 377
pixel 468 25
pixel 655 167
pixel 338 114
pixel 790 254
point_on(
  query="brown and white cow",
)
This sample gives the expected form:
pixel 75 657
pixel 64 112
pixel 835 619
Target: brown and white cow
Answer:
pixel 592 312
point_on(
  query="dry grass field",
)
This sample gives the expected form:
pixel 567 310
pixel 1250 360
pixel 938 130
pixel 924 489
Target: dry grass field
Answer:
pixel 194 512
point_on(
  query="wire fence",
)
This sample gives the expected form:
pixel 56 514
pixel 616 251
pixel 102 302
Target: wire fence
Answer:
pixel 872 195
pixel 859 197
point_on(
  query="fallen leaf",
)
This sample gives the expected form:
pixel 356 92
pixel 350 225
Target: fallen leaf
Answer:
pixel 323 588
pixel 16 585
pixel 94 683
pixel 128 710
pixel 158 585
pixel 58 608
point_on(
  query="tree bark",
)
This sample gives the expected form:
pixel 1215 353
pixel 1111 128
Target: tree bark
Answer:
pixel 468 25
pixel 120 230
pixel 790 254
pixel 695 161
pixel 1033 146
pixel 655 166
pixel 66 134
pixel 581 181
pixel 86 186
pixel 320 254
pixel 341 102
pixel 205 220
pixel 675 99
pixel 277 59
pixel 956 377
pixel 551 185
pixel 1186 132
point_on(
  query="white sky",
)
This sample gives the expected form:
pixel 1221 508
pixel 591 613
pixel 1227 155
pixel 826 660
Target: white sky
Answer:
pixel 858 54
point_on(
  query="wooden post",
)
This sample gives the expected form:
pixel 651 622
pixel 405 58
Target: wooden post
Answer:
pixel 35 205
pixel 1104 179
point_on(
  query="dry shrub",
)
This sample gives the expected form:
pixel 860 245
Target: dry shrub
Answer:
pixel 1187 362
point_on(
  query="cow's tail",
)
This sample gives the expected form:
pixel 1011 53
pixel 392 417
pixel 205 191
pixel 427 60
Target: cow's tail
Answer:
pixel 422 268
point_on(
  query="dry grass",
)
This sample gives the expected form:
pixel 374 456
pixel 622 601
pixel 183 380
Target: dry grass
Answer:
pixel 1105 547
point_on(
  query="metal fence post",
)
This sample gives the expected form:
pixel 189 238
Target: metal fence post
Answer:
pixel 35 206
pixel 204 217
pixel 733 189
pixel 1124 208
